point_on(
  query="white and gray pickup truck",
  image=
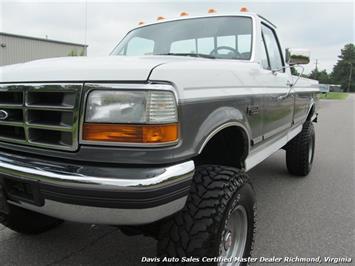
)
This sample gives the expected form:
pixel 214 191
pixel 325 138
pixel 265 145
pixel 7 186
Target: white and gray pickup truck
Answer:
pixel 157 137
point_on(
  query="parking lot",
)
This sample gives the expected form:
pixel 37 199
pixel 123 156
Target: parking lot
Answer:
pixel 305 217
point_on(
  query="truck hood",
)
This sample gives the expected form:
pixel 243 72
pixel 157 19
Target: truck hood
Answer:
pixel 108 68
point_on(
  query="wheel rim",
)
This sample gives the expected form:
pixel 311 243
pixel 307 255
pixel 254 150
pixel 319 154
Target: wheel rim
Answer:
pixel 310 151
pixel 234 236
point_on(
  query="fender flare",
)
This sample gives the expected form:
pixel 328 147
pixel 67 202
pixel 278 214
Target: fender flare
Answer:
pixel 218 120
pixel 311 107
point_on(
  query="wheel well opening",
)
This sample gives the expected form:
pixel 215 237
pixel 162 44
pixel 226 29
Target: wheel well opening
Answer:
pixel 228 147
pixel 311 113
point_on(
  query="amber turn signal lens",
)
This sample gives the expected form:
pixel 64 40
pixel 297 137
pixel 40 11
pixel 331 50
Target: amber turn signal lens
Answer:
pixel 131 133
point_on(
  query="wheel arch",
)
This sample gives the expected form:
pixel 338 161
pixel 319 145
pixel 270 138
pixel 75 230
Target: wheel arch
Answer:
pixel 227 144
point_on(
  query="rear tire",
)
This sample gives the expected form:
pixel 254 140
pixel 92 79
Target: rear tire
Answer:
pixel 205 227
pixel 27 222
pixel 300 151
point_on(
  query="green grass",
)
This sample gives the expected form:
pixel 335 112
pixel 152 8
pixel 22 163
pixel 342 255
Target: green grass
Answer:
pixel 334 96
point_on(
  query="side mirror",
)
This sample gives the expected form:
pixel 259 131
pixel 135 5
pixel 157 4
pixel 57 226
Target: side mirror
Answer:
pixel 297 56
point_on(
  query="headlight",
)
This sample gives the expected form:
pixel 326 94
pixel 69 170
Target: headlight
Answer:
pixel 131 116
pixel 142 107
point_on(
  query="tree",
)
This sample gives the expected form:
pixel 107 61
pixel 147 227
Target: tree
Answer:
pixel 322 76
pixel 75 53
pixel 297 70
pixel 294 71
pixel 344 70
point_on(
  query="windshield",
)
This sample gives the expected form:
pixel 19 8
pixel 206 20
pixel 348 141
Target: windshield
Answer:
pixel 213 37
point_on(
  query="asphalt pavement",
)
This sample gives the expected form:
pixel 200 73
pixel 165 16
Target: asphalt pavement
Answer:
pixel 304 217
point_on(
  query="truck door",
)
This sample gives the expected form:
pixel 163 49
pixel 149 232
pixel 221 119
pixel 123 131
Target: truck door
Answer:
pixel 278 101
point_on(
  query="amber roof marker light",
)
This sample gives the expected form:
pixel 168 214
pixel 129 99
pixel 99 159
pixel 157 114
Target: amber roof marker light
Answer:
pixel 160 18
pixel 184 14
pixel 212 11
pixel 141 23
pixel 244 9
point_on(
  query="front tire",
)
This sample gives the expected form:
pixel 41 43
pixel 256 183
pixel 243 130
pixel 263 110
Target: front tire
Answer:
pixel 217 220
pixel 300 151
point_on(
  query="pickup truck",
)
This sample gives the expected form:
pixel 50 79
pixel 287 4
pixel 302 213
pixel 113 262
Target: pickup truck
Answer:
pixel 156 138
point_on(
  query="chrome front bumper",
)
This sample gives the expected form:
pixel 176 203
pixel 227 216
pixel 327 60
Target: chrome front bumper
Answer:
pixel 102 194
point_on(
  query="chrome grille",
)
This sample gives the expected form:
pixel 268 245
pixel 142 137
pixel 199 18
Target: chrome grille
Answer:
pixel 41 115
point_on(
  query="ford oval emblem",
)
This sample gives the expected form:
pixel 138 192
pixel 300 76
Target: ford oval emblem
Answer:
pixel 3 115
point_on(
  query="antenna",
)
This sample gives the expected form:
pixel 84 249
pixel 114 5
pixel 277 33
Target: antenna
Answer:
pixel 86 21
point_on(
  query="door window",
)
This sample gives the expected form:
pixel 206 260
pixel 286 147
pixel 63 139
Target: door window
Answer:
pixel 264 57
pixel 273 49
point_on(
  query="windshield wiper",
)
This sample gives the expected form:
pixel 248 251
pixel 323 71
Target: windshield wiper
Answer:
pixel 190 54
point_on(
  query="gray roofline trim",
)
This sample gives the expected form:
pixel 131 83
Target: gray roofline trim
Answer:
pixel 41 39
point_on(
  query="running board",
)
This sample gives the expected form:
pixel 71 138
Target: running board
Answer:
pixel 271 147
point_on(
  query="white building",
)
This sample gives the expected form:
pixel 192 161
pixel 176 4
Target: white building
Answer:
pixel 18 49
